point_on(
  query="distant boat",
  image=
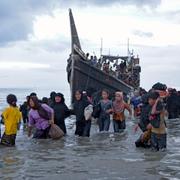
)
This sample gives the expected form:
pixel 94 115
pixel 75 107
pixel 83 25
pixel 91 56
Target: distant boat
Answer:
pixel 82 75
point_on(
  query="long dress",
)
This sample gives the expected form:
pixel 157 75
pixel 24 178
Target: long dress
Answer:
pixel 82 126
pixel 61 112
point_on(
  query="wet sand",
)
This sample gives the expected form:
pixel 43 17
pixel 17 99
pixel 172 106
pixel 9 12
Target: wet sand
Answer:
pixel 102 156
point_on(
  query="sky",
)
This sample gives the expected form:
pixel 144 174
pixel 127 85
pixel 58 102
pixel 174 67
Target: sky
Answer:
pixel 35 38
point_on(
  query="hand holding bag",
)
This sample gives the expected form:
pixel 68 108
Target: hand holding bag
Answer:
pixel 55 132
pixel 88 112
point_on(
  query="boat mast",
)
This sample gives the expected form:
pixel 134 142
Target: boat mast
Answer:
pixel 74 35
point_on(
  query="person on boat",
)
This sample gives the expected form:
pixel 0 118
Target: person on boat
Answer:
pixel 119 107
pixel 173 104
pixel 83 126
pixel 87 56
pixel 157 122
pixel 99 64
pixel 91 60
pixel 106 110
pixel 106 67
pixel 11 118
pixel 122 67
pixel 95 61
pixel 61 111
pixel 41 116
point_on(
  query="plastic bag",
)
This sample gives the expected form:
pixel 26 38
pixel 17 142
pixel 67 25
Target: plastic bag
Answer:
pixel 88 112
pixel 55 132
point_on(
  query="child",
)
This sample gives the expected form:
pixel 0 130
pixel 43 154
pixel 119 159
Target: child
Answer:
pixel 119 107
pixel 12 118
pixel 158 127
pixel 106 109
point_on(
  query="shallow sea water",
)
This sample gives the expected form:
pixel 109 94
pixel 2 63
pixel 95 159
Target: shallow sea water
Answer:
pixel 103 156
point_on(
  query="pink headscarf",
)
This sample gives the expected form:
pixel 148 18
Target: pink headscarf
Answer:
pixel 119 105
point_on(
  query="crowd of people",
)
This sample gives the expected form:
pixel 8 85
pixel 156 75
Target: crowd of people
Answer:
pixel 127 70
pixel 150 108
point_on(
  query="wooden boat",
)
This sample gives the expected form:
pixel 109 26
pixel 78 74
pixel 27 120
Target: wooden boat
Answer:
pixel 82 75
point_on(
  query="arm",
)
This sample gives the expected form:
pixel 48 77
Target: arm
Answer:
pixel 67 111
pixel 128 108
pixel 51 121
pixel 50 111
pixel 4 114
pixel 30 124
pixel 154 108
pixel 110 110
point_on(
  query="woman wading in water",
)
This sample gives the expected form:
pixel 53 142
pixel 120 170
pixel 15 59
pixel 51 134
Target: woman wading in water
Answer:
pixel 61 111
pixel 41 116
pixel 83 126
pixel 119 106
pixel 106 109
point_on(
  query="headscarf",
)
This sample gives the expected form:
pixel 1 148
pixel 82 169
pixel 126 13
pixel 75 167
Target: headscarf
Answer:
pixel 61 96
pixel 119 105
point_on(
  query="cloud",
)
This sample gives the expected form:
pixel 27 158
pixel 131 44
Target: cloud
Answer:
pixel 159 64
pixel 17 16
pixel 139 3
pixel 53 45
pixel 173 16
pixel 22 66
pixel 142 33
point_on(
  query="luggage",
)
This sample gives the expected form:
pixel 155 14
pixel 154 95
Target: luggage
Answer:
pixel 55 132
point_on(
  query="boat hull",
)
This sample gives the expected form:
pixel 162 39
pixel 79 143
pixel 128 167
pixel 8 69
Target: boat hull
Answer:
pixel 83 76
